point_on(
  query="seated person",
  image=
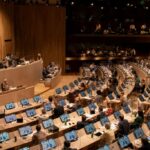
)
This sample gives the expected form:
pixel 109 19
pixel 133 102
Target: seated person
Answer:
pixel 145 144
pixel 123 127
pixel 58 111
pixel 138 120
pixel 99 98
pixel 4 85
pixel 107 137
pixel 101 114
pixel 82 123
pixel 67 146
pixel 42 116
pixel 39 135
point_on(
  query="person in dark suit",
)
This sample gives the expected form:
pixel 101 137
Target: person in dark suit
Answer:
pixel 58 111
pixel 5 85
pixel 123 127
pixel 82 123
pixel 145 144
pixel 67 146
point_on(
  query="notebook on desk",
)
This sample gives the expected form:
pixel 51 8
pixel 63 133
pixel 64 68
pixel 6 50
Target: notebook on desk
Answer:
pixel 110 96
pixel 106 147
pixel 30 112
pixel 65 88
pixel 48 144
pixel 126 109
pixel 25 148
pixel 90 128
pixel 47 107
pixel 26 130
pixel 58 91
pixel 64 118
pixel 4 137
pixel 138 133
pixel 80 111
pixel 24 102
pixel 104 120
pixel 37 99
pixel 124 141
pixel 141 98
pixel 62 102
pixel 47 123
pixel 117 114
pixel 71 136
pixel 148 124
pixel 10 118
pixel 10 105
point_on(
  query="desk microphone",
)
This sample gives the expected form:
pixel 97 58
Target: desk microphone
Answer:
pixel 15 139
pixel 4 110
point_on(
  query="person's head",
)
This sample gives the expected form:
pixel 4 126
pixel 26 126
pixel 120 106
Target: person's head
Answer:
pixel 100 109
pixel 121 117
pixel 38 128
pixel 140 113
pixel 144 140
pixel 5 80
pixel 83 118
pixel 50 98
pixel 43 111
pixel 66 144
pixel 98 92
pixel 107 126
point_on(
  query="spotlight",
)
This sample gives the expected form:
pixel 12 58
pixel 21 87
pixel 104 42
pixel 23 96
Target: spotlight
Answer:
pixel 115 7
pixel 146 7
pixel 102 7
pixel 92 4
pixel 72 3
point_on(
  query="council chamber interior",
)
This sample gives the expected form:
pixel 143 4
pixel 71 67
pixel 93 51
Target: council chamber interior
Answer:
pixel 74 75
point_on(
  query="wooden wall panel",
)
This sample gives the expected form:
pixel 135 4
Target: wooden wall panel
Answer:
pixel 40 29
pixel 6 29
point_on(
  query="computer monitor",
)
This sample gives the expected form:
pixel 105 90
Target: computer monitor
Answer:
pixel 26 130
pixel 62 102
pixel 138 133
pixel 117 114
pixel 30 112
pixel 47 123
pixel 148 124
pixel 89 128
pixel 37 99
pixel 106 147
pixel 104 120
pixel 10 105
pixel 47 107
pixel 4 137
pixel 141 97
pixel 65 88
pixel 64 117
pixel 25 148
pixel 71 136
pixel 89 91
pixel 148 90
pixel 58 91
pixel 76 82
pixel 10 118
pixel 71 85
pixel 82 94
pixel 110 96
pixel 92 106
pixel 80 111
pixel 124 142
pixel 24 102
pixel 116 94
pixel 48 144
pixel 126 109
pixel 145 94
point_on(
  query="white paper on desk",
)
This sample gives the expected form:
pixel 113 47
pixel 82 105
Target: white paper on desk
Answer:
pixel 88 115
pixel 113 126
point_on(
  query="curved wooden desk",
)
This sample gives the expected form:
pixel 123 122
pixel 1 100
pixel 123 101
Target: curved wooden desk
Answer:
pixel 28 74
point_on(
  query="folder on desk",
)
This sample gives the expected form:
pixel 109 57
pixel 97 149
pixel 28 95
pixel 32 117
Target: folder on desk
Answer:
pixel 138 133
pixel 48 144
pixel 4 137
pixel 71 136
pixel 124 141
pixel 10 105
